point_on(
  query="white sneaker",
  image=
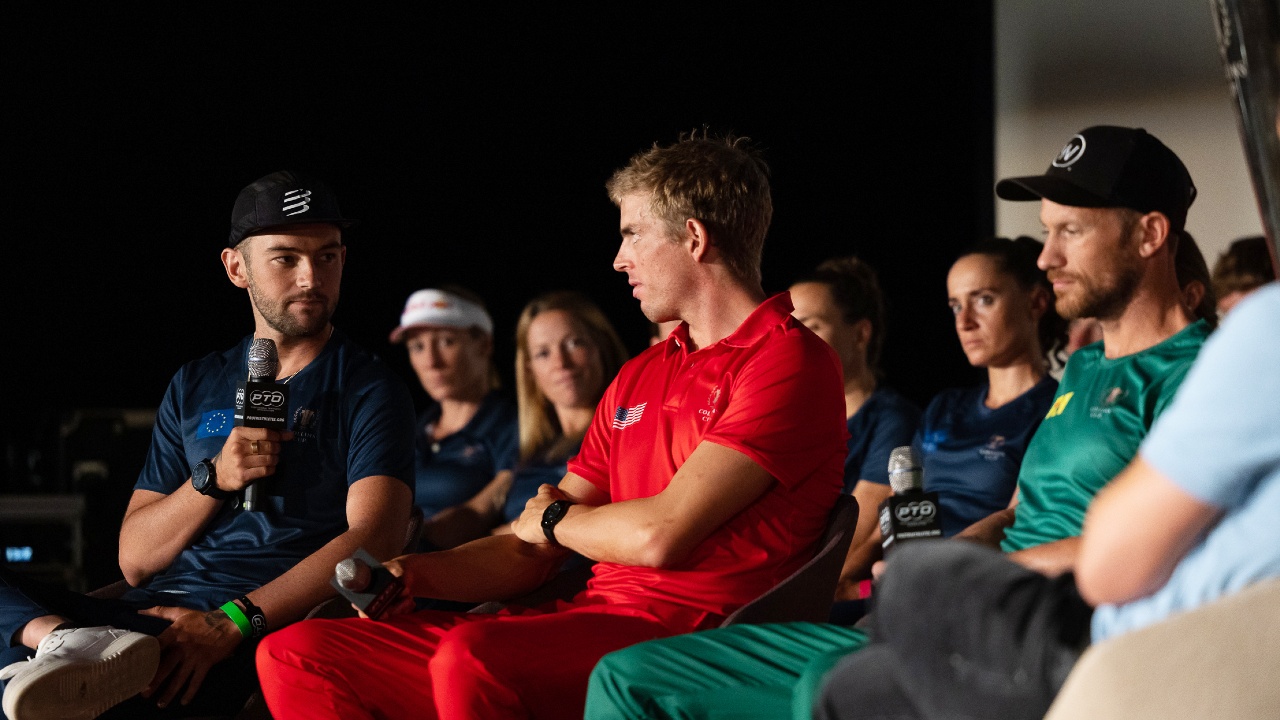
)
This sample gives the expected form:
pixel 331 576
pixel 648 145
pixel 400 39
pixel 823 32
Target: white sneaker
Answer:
pixel 80 673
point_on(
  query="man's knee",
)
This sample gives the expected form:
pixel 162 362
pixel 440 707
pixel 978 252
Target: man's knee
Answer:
pixel 290 645
pixel 864 684
pixel 462 650
pixel 612 693
pixel 924 574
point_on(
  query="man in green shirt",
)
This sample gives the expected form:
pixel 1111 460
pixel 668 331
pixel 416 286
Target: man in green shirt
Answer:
pixel 1113 203
pixel 1005 644
pixel 1110 242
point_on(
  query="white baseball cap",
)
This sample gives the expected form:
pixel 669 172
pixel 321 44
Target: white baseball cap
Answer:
pixel 438 308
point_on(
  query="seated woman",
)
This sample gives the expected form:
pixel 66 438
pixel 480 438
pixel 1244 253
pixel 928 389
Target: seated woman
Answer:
pixel 841 303
pixel 971 440
pixel 467 435
pixel 566 355
pixel 1198 292
pixel 1243 268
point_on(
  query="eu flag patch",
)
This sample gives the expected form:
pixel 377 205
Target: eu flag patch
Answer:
pixel 215 423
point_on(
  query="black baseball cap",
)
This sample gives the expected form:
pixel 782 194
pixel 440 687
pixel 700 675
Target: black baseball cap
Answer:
pixel 283 198
pixel 1108 166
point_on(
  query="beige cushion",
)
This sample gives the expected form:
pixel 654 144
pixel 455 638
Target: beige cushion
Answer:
pixel 1220 661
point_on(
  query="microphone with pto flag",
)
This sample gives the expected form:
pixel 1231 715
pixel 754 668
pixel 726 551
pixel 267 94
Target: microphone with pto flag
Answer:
pixel 261 402
pixel 366 583
pixel 910 513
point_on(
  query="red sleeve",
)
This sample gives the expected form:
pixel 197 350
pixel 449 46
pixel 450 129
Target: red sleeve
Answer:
pixel 786 408
pixel 592 461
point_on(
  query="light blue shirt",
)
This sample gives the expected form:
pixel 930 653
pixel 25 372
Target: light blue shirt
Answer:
pixel 1220 442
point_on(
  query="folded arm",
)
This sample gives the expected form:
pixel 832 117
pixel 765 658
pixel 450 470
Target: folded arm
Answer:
pixel 1136 531
pixel 713 485
pixel 1051 558
pixel 989 531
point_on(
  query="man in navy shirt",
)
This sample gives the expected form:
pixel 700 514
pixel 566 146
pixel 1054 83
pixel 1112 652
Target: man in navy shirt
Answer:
pixel 208 576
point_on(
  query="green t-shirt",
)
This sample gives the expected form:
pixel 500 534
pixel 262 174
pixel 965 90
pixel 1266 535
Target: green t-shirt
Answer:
pixel 1103 410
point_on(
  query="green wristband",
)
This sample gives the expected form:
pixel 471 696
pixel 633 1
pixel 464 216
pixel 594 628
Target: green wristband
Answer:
pixel 237 616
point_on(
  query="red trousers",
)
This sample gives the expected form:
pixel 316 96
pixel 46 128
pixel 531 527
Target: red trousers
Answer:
pixel 451 665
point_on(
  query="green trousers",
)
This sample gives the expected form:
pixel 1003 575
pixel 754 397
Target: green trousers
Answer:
pixel 743 671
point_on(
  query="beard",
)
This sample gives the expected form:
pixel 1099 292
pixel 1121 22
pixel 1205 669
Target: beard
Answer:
pixel 278 318
pixel 1102 296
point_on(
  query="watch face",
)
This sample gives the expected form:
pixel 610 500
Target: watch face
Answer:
pixel 200 476
pixel 554 511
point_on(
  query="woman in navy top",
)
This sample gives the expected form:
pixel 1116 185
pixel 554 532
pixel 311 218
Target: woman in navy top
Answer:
pixel 971 440
pixel 467 436
pixel 567 353
pixel 841 303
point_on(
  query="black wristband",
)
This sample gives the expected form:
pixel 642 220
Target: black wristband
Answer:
pixel 254 613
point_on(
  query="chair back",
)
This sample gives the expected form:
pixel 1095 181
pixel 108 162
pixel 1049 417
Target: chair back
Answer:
pixel 413 531
pixel 807 594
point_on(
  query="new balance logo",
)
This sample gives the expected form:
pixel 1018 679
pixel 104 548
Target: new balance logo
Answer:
pixel 623 417
pixel 1071 152
pixel 1059 406
pixel 296 200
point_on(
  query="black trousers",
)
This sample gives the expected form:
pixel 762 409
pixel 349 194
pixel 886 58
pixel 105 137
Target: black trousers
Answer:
pixel 225 689
pixel 960 631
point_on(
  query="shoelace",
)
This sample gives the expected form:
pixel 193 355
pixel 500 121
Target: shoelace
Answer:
pixel 54 642
pixel 9 671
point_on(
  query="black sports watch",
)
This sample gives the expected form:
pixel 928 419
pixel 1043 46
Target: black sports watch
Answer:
pixel 554 513
pixel 204 478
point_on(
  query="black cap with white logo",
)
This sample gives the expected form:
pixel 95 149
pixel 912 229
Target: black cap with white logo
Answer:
pixel 283 198
pixel 1108 166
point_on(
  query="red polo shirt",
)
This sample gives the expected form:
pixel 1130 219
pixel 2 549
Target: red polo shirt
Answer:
pixel 773 391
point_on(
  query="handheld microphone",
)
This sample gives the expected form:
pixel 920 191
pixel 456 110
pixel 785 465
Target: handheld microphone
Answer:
pixel 910 513
pixel 261 402
pixel 366 583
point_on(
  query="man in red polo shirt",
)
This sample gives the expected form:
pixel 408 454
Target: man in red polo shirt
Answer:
pixel 706 477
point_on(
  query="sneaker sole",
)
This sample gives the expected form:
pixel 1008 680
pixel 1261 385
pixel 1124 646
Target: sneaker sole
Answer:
pixel 84 689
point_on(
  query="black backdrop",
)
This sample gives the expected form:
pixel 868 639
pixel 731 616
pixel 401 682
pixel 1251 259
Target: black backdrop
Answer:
pixel 473 145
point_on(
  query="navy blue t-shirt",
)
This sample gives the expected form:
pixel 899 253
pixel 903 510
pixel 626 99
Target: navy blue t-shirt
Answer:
pixel 532 475
pixel 971 453
pixel 351 418
pixel 451 470
pixel 885 421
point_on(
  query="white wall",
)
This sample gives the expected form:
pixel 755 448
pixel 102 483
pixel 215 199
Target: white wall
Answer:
pixel 1063 65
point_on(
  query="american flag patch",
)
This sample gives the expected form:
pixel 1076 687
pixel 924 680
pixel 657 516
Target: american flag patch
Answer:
pixel 623 417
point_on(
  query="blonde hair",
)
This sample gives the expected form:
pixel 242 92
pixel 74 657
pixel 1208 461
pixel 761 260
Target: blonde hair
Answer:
pixel 540 431
pixel 722 182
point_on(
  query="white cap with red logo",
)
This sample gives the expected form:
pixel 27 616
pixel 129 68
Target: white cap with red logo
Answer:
pixel 438 308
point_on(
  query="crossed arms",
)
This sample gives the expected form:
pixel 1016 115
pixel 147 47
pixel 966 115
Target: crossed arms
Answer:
pixel 713 485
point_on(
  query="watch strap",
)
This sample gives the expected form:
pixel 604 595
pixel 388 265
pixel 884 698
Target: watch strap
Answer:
pixel 552 516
